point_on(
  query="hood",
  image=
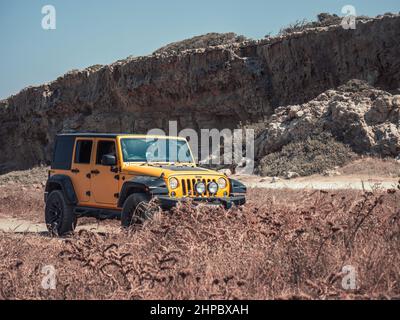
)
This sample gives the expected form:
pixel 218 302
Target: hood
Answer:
pixel 158 170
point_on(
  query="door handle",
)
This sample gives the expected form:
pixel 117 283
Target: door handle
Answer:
pixel 95 172
pixel 75 171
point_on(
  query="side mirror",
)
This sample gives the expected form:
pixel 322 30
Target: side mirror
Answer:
pixel 109 160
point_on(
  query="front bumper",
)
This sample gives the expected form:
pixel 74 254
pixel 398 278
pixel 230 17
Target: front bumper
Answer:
pixel 167 202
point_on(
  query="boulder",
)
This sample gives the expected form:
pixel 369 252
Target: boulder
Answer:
pixel 331 173
pixel 365 118
pixel 291 175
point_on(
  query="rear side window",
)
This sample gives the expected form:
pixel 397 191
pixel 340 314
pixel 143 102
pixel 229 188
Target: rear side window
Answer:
pixel 83 151
pixel 62 156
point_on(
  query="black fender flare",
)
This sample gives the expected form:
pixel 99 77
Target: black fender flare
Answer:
pixel 63 183
pixel 237 186
pixel 154 186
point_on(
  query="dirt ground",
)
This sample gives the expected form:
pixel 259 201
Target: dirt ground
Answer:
pixel 25 214
pixel 367 174
pixel 348 182
pixel 284 244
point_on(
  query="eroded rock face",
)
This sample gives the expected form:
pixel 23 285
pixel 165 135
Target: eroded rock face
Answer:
pixel 365 118
pixel 218 87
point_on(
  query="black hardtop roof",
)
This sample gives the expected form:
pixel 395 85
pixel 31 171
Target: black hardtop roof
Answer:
pixel 93 135
pixel 106 135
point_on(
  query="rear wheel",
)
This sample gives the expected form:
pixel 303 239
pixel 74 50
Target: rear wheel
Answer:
pixel 136 210
pixel 59 216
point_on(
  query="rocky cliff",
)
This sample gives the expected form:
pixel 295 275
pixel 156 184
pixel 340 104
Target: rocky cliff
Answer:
pixel 217 87
pixel 318 135
pixel 364 118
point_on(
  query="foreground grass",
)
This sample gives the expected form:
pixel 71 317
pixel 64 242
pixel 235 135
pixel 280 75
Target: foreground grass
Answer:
pixel 290 245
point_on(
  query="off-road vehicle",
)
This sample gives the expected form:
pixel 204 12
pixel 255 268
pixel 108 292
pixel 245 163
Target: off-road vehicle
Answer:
pixel 118 175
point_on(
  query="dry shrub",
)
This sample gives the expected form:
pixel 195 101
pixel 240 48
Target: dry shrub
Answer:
pixel 323 20
pixel 290 245
pixel 316 154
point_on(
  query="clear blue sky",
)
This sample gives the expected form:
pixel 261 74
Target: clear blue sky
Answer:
pixel 99 32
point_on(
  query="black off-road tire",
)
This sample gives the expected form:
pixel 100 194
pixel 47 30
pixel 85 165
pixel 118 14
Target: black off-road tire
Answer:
pixel 134 211
pixel 59 216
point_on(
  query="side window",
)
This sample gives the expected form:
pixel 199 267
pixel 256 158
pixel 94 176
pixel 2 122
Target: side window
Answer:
pixel 63 150
pixel 83 151
pixel 103 148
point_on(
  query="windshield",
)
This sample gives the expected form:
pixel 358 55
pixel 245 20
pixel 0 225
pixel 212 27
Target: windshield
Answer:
pixel 156 150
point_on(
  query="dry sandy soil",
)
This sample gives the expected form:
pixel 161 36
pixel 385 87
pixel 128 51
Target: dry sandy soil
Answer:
pixel 365 174
pixel 285 243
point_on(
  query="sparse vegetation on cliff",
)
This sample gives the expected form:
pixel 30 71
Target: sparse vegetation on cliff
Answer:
pixel 203 41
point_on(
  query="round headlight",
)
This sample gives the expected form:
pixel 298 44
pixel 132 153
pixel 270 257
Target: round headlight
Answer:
pixel 200 187
pixel 213 187
pixel 222 183
pixel 173 183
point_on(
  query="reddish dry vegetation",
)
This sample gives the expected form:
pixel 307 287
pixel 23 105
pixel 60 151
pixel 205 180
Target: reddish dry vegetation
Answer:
pixel 282 244
pixel 22 202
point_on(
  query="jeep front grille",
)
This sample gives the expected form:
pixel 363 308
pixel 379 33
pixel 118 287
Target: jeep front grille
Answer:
pixel 188 187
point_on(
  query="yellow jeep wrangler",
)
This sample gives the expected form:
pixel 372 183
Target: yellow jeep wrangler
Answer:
pixel 112 175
